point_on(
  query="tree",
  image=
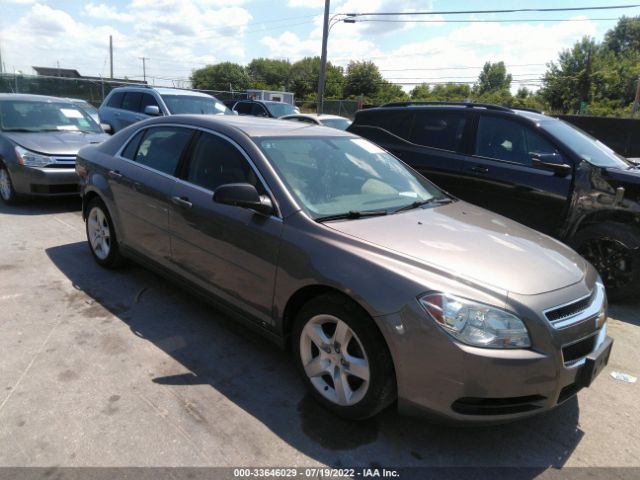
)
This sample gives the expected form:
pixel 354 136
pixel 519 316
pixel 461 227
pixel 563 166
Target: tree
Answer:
pixel 493 79
pixel 420 92
pixel 624 37
pixel 567 83
pixel 269 74
pixel 363 78
pixel 222 76
pixel 390 92
pixel 304 76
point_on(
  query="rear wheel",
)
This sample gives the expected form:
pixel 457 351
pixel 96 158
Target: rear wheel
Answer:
pixel 343 357
pixel 614 250
pixel 102 235
pixel 7 193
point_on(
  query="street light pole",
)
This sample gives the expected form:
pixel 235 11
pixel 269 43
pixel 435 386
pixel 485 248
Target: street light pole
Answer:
pixel 323 58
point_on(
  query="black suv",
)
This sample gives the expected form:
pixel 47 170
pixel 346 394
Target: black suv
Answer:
pixel 538 170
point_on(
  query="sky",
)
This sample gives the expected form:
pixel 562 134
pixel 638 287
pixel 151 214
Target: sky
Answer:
pixel 178 36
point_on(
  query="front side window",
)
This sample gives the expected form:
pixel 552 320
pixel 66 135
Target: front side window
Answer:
pixel 131 101
pixel 337 175
pixel 148 100
pixel 259 111
pixel 439 129
pixel 215 161
pixel 25 116
pixel 243 108
pixel 162 147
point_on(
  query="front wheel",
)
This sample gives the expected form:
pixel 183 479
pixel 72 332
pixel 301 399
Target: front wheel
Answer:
pixel 343 358
pixel 614 250
pixel 7 192
pixel 102 235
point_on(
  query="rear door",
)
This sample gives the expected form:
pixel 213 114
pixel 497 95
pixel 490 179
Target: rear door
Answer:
pixel 142 185
pixel 230 251
pixel 499 174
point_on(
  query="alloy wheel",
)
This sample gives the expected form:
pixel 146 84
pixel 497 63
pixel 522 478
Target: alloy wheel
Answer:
pixel 5 184
pixel 99 233
pixel 335 360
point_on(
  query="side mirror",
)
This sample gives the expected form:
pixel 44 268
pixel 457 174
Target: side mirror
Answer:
pixel 106 128
pixel 152 110
pixel 550 161
pixel 243 195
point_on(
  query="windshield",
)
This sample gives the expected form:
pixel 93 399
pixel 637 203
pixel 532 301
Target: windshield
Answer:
pixel 26 116
pixel 337 175
pixel 279 109
pixel 193 104
pixel 584 145
pixel 339 123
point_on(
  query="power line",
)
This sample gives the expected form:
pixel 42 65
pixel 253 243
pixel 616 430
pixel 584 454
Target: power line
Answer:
pixel 502 20
pixel 512 10
pixel 460 67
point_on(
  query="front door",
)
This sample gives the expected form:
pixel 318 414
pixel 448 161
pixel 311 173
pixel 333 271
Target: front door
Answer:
pixel 230 251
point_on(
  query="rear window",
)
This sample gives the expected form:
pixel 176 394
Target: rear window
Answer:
pixel 439 129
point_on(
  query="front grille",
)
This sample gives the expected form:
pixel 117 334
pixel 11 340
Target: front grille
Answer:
pixel 497 406
pixel 569 310
pixel 580 349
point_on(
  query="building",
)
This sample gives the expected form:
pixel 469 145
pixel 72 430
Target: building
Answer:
pixel 73 73
pixel 271 95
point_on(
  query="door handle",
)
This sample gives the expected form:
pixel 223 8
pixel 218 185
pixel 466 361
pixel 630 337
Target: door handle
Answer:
pixel 479 169
pixel 115 174
pixel 182 201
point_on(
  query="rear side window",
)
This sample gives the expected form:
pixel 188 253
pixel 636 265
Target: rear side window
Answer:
pixel 131 101
pixel 215 162
pixel 115 100
pixel 130 150
pixel 396 122
pixel 439 129
pixel 162 147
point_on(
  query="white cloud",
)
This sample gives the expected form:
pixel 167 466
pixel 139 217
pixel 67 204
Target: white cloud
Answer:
pixel 106 12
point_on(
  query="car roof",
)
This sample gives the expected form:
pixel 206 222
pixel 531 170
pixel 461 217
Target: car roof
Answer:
pixel 251 126
pixel 28 97
pixel 163 91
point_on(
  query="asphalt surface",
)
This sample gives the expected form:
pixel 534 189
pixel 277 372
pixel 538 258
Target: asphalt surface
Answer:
pixel 122 368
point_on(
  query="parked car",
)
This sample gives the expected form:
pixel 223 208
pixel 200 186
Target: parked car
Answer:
pixel 260 108
pixel 127 105
pixel 39 139
pixel 535 169
pixel 87 107
pixel 384 286
pixel 333 121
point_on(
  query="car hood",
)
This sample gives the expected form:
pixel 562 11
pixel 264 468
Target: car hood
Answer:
pixel 55 143
pixel 474 245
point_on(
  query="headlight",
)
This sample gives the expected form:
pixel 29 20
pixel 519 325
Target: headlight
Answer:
pixel 476 324
pixel 32 159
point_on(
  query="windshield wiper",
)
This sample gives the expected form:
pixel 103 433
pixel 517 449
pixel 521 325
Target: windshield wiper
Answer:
pixel 352 215
pixel 420 203
pixel 18 130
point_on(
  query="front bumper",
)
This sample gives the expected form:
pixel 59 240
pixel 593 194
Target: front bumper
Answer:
pixel 49 182
pixel 440 377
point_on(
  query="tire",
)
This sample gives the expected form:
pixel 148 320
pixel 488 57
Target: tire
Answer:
pixel 365 378
pixel 7 192
pixel 101 235
pixel 614 250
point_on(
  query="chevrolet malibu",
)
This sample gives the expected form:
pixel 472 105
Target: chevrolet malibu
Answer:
pixel 387 289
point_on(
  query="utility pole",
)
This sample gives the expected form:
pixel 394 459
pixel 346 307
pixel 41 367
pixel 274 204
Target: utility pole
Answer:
pixel 111 57
pixel 144 67
pixel 323 58
pixel 636 102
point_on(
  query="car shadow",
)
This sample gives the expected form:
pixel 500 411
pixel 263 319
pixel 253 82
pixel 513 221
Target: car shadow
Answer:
pixel 42 206
pixel 261 379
